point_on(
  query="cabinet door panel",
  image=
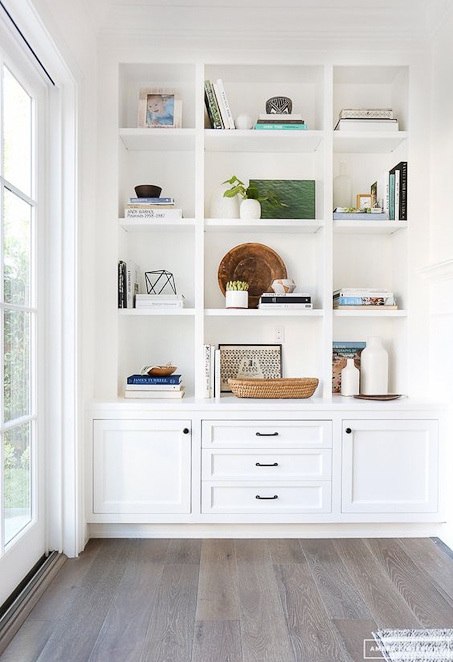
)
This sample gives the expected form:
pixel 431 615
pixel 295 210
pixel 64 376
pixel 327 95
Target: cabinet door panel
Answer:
pixel 243 464
pixel 267 434
pixel 389 466
pixel 141 466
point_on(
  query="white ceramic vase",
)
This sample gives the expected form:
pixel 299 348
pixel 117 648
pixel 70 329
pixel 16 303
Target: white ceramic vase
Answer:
pixel 236 299
pixel 350 377
pixel 250 209
pixel 222 207
pixel 374 368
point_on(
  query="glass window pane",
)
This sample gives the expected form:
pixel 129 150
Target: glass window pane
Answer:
pixel 17 133
pixel 17 479
pixel 17 380
pixel 17 247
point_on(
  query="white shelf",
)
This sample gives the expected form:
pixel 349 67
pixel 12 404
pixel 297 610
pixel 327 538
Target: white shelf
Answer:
pixel 156 312
pixel 157 225
pixel 309 226
pixel 255 312
pixel 369 142
pixel 369 313
pixel 158 139
pixel 217 140
pixel 369 227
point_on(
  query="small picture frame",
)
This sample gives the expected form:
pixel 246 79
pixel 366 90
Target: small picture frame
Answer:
pixel 363 201
pixel 159 108
pixel 249 362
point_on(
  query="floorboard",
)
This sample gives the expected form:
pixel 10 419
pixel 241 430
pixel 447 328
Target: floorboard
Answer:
pixel 227 600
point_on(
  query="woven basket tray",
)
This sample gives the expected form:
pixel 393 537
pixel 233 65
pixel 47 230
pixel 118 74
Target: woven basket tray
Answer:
pixel 303 387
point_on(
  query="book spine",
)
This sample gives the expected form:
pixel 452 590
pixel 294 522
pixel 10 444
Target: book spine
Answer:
pixel 391 196
pixel 212 107
pixel 217 374
pixel 153 201
pixel 221 106
pixel 153 213
pixel 122 300
pixel 271 126
pixel 206 371
pixel 402 168
pixel 294 306
pixel 363 301
pixel 283 299
pixel 153 387
pixel 147 379
pixel 229 124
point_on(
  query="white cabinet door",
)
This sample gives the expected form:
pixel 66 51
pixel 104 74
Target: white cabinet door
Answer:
pixel 141 466
pixel 390 466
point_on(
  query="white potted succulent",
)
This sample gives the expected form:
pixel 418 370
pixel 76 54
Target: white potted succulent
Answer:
pixel 236 294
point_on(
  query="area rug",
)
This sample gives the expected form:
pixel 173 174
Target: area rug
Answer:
pixel 415 645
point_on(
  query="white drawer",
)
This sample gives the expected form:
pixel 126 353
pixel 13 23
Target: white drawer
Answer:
pixel 267 434
pixel 250 464
pixel 229 497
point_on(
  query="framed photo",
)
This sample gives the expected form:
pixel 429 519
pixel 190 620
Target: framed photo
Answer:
pixel 159 108
pixel 249 362
pixel 363 201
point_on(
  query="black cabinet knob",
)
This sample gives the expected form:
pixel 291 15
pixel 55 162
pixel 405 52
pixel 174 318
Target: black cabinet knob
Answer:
pixel 348 430
pixel 186 431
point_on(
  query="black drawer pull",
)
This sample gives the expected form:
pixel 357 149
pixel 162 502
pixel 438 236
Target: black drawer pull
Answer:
pixel 348 430
pixel 186 431
pixel 260 464
pixel 267 434
pixel 266 498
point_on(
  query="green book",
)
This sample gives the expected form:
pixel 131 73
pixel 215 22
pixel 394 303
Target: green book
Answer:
pixel 296 195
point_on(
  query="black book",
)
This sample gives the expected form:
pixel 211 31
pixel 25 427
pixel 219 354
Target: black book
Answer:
pixel 401 168
pixel 285 299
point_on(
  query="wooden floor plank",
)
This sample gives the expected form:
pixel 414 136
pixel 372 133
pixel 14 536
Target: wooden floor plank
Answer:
pixel 28 643
pixel 78 628
pixel 358 638
pixel 171 628
pixel 218 586
pixel 183 551
pixel 217 641
pixel 412 583
pixel 387 607
pixel 122 636
pixel 312 635
pixel 286 550
pixel 264 634
pixel 337 589
pixel 431 557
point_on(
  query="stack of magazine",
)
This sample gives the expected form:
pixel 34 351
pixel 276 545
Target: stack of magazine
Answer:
pixel 291 300
pixel 366 298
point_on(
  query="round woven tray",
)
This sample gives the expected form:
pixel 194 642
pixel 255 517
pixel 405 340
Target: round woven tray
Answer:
pixel 288 387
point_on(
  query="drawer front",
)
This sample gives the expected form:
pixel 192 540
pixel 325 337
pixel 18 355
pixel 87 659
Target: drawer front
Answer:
pixel 244 464
pixel 267 434
pixel 266 498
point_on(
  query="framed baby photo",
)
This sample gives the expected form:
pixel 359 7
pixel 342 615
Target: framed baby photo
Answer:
pixel 159 108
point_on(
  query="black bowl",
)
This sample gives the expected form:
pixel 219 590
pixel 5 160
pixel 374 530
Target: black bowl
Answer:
pixel 148 191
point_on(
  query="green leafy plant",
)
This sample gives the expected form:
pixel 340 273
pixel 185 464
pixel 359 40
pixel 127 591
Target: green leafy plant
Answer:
pixel 237 286
pixel 250 192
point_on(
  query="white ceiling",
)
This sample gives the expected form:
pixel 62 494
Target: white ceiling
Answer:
pixel 266 21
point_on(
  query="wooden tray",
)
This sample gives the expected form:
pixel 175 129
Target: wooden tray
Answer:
pixel 256 264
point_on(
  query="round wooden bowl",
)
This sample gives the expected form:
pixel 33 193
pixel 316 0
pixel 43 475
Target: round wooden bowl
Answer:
pixel 161 370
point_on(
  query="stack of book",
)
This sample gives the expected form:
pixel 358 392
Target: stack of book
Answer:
pixel 217 105
pixel 289 300
pixel 348 214
pixel 145 386
pixel 211 371
pixel 128 283
pixel 159 301
pixel 357 298
pixel 366 119
pixel 280 121
pixel 390 192
pixel 151 208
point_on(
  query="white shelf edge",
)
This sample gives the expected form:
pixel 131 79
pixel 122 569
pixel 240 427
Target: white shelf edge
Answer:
pixel 308 226
pixel 369 313
pixel 368 227
pixel 262 141
pixel 156 312
pixel 162 224
pixel 255 312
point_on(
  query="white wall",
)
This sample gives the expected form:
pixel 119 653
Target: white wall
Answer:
pixel 439 261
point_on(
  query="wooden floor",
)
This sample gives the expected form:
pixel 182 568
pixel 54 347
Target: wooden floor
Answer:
pixel 235 600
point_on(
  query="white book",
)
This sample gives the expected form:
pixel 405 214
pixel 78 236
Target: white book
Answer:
pixel 207 371
pixel 154 387
pixel 367 125
pixel 160 297
pixel 290 306
pixel 152 213
pixel 154 394
pixel 274 117
pixel 217 373
pixel 132 282
pixel 229 121
pixel 159 304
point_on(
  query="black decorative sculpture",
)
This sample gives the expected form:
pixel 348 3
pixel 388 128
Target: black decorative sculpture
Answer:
pixel 279 105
